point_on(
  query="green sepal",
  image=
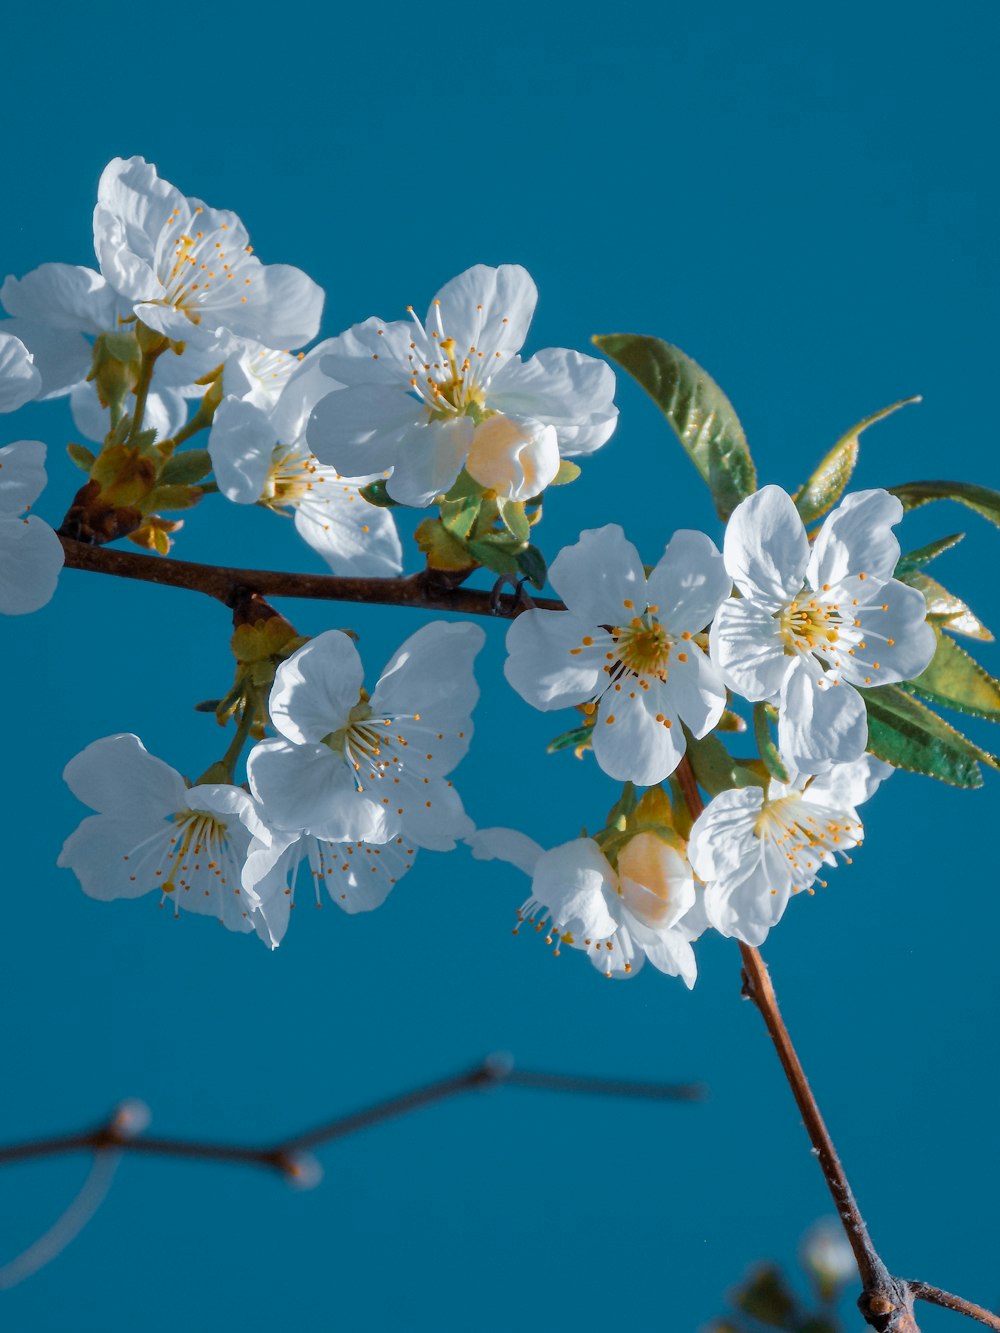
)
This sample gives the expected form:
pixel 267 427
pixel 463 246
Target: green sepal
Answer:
pixel 376 494
pixel 765 745
pixel 496 551
pixel 463 486
pixel 923 555
pixel 532 565
pixel 715 768
pixel 945 610
pixel 699 412
pixel 654 811
pixel 170 498
pixel 144 441
pixel 980 499
pixel 568 471
pixel 683 815
pixel 826 485
pixel 514 519
pixel 186 468
pixel 459 516
pixel 443 551
pixel 617 816
pixel 905 733
pixel 730 721
pixel 578 738
pixel 83 457
pixel 956 680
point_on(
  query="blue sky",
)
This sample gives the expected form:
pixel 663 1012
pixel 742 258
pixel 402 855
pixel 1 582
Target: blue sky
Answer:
pixel 805 200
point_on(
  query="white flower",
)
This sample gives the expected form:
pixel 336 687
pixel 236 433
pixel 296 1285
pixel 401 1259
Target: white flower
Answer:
pixel 753 850
pixel 19 377
pixel 427 400
pixel 151 833
pixel 358 876
pixel 625 644
pixel 648 908
pixel 352 769
pixel 809 625
pixel 260 456
pixel 31 555
pixel 189 270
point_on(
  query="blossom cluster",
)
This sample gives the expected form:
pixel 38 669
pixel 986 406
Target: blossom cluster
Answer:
pixel 182 329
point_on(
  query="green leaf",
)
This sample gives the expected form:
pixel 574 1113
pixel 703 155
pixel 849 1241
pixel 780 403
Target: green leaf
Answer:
pixel 946 611
pixel 531 563
pixel 579 738
pixel 923 555
pixel 955 680
pixel 187 467
pixel 981 499
pixel 767 1298
pixel 765 745
pixel 568 472
pixel 906 734
pixel 826 485
pixel 700 413
pixel 514 520
pixel 81 456
pixel 459 516
pixel 443 551
pixel 376 494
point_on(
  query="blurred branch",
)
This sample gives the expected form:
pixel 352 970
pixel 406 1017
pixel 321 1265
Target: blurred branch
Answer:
pixel 430 590
pixel 886 1301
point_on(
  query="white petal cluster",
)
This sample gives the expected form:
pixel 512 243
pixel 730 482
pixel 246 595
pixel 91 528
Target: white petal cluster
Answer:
pixel 625 646
pixel 754 849
pixel 356 784
pixel 646 909
pixel 427 399
pixel 31 555
pixel 179 266
pixel 812 623
pixel 260 456
pixel 151 833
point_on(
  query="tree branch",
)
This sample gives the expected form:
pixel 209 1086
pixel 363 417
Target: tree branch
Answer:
pixel 430 590
pixel 921 1291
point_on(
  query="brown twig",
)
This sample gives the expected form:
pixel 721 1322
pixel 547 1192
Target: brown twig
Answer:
pixel 428 590
pixel 886 1301
pixel 285 1155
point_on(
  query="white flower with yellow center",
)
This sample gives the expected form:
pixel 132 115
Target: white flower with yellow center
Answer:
pixel 754 850
pixel 647 908
pixel 260 456
pixel 426 399
pixel 347 767
pixel 31 555
pixel 812 623
pixel 153 834
pixel 357 876
pixel 189 270
pixel 625 647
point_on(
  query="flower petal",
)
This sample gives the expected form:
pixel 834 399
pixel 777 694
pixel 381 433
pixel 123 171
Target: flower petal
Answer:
pixel 573 881
pixel 570 391
pixel 62 357
pixel 722 837
pixel 630 745
pixel 656 882
pixel 357 876
pixel 689 582
pixel 20 380
pixel 857 537
pixel 515 458
pixel 550 663
pixel 695 691
pixel 352 536
pixel 62 296
pixel 819 723
pixel 372 352
pixel 431 673
pixel 118 776
pixel 600 578
pixel 846 786
pixel 897 641
pixel 22 475
pixel 316 688
pixel 505 844
pixel 766 549
pixel 432 813
pixel 745 643
pixel 360 430
pixel 489 309
pixel 429 461
pixel 117 858
pixel 309 787
pixel 31 556
pixel 241 444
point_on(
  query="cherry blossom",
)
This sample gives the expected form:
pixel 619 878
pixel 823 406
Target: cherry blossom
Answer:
pixel 260 456
pixel 153 834
pixel 626 648
pixel 349 768
pixel 358 876
pixel 755 849
pixel 811 624
pixel 647 908
pixel 427 399
pixel 31 555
